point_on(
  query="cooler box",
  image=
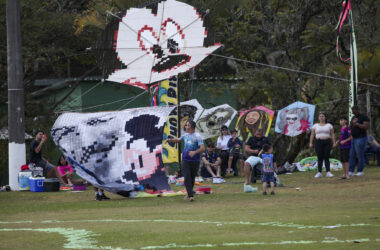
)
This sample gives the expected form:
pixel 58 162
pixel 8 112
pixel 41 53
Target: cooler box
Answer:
pixel 36 184
pixel 23 180
pixel 79 187
pixel 51 185
pixel 206 190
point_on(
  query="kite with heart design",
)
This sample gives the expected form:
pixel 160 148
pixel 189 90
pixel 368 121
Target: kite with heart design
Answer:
pixel 146 45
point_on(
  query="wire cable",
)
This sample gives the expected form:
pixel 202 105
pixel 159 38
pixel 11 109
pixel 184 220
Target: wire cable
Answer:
pixel 293 70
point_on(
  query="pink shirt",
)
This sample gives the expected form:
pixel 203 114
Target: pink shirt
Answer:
pixel 63 169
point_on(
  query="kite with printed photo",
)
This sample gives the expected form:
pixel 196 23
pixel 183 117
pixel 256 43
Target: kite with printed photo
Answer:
pixel 252 119
pixel 211 120
pixel 189 110
pixel 295 119
pixel 115 151
pixel 145 45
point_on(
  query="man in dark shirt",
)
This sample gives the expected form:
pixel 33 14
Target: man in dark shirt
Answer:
pixel 359 125
pixel 252 148
pixel 35 156
pixel 211 162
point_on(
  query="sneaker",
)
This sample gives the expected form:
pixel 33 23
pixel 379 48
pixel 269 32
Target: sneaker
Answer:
pixel 329 174
pixel 104 197
pixel 272 193
pixel 351 174
pixel 98 197
pixel 318 175
pixel 264 193
pixel 216 180
pixel 191 199
pixel 359 173
pixel 249 189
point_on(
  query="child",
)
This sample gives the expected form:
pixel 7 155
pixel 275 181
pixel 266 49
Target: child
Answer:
pixel 269 167
pixel 66 172
pixel 344 143
pixel 235 146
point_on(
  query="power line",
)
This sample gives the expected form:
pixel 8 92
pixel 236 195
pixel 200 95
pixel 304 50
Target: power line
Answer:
pixel 293 70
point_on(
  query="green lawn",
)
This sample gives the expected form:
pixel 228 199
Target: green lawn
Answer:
pixel 325 213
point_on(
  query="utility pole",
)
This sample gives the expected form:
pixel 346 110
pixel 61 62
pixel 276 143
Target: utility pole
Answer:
pixel 16 125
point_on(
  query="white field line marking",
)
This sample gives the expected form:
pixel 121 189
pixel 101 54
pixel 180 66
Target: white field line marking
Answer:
pixel 76 238
pixel 273 223
pixel 81 239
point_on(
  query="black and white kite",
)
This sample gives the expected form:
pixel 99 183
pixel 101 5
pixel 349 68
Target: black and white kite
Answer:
pixel 115 151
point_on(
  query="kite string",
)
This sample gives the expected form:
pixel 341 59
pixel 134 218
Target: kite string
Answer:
pixel 104 104
pixel 132 99
pixel 85 93
pixel 292 70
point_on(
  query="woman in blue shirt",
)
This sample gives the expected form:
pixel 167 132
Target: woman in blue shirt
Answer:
pixel 193 147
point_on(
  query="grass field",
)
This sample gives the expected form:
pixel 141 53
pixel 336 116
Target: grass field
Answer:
pixel 325 213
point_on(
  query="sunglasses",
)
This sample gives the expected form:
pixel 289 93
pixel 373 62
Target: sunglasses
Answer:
pixel 294 118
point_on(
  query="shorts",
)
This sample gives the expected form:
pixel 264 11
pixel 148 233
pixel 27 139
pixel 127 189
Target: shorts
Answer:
pixel 236 155
pixel 344 154
pixel 268 177
pixel 45 165
pixel 254 160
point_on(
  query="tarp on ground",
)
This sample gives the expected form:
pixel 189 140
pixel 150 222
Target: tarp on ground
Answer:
pixel 311 164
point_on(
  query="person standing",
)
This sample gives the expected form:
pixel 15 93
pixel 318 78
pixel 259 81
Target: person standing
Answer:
pixel 222 145
pixel 252 148
pixel 35 156
pixel 344 145
pixel 359 125
pixel 191 155
pixel 325 140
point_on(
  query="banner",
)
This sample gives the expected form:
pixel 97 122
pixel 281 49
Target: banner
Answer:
pixel 168 96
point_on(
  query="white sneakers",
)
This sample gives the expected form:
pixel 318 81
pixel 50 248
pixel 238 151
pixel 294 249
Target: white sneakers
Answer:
pixel 359 173
pixel 318 175
pixel 329 175
pixel 217 180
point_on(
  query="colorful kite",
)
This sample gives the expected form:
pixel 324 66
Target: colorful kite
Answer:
pixel 189 110
pixel 252 119
pixel 211 120
pixel 115 151
pixel 150 44
pixel 295 119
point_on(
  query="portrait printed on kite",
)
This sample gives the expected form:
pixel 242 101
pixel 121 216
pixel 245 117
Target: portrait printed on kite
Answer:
pixel 115 151
pixel 210 122
pixel 253 119
pixel 294 122
pixel 153 43
pixel 187 113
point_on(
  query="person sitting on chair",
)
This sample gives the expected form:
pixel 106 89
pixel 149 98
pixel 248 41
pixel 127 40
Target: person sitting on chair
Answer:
pixel 35 156
pixel 373 147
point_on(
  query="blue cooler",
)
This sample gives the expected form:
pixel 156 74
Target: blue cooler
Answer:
pixel 36 184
